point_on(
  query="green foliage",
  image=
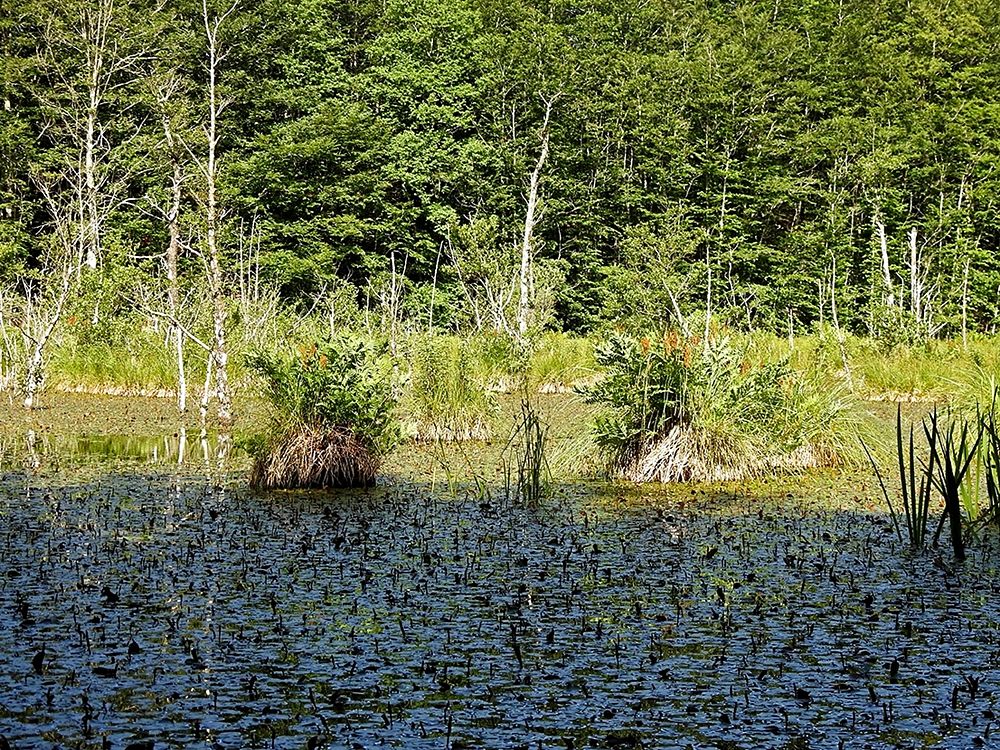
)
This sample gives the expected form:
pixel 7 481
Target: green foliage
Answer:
pixel 446 396
pixel 733 416
pixel 696 153
pixel 338 385
pixel 691 147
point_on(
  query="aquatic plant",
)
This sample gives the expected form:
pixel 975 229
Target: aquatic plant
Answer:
pixel 526 470
pixel 990 459
pixel 916 494
pixel 333 416
pixel 686 409
pixel 953 449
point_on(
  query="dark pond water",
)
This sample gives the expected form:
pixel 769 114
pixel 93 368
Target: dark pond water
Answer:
pixel 141 602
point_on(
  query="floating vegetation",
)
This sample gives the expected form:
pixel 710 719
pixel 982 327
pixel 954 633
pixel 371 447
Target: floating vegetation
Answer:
pixel 172 611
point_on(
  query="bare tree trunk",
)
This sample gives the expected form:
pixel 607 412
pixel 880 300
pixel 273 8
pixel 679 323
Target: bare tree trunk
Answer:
pixel 708 292
pixel 391 304
pixel 915 290
pixel 434 282
pixel 96 23
pixel 206 392
pixel 220 353
pixel 886 274
pixel 91 231
pixel 75 103
pixel 173 213
pixel 60 263
pixel 965 305
pixel 525 277
pixel 173 286
pixel 822 302
pixel 841 339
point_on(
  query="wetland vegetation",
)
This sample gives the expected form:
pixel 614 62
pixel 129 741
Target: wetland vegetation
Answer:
pixel 544 374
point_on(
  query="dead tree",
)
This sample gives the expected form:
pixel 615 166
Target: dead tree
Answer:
pixel 45 300
pixel 165 91
pixel 209 166
pixel 525 277
pixel 85 58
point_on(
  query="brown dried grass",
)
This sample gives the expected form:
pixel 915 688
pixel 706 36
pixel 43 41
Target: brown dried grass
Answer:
pixel 310 457
pixel 428 432
pixel 690 455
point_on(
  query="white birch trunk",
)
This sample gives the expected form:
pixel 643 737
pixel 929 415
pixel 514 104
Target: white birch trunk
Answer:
pixel 915 285
pixel 965 305
pixel 886 273
pixel 173 287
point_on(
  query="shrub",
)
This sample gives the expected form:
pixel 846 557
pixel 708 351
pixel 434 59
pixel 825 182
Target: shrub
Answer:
pixel 333 416
pixel 681 409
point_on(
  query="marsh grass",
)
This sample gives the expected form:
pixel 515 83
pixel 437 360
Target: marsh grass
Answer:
pixel 936 370
pixel 143 366
pixel 682 409
pixel 916 495
pixel 559 362
pixel 527 477
pixel 446 399
pixel 990 462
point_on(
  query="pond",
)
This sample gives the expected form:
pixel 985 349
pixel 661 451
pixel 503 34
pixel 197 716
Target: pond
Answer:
pixel 156 603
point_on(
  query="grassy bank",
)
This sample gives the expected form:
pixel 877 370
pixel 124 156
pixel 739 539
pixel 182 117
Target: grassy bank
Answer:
pixel 459 395
pixel 938 370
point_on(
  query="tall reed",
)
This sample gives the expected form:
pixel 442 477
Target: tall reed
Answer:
pixel 526 469
pixel 916 494
pixel 991 465
pixel 952 454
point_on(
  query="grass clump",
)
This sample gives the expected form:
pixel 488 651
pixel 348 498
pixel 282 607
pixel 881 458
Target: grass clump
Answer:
pixel 446 398
pixel 138 363
pixel 683 409
pixel 526 469
pixel 333 416
pixel 558 362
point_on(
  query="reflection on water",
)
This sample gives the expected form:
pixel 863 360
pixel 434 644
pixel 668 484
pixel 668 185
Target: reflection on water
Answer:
pixel 33 449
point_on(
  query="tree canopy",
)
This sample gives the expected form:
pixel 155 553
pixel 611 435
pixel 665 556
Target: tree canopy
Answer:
pixel 758 156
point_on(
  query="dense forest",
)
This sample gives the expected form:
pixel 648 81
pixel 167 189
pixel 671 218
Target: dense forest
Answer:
pixel 774 162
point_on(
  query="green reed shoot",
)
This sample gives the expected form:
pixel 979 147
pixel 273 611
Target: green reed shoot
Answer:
pixel 953 449
pixel 527 470
pixel 916 494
